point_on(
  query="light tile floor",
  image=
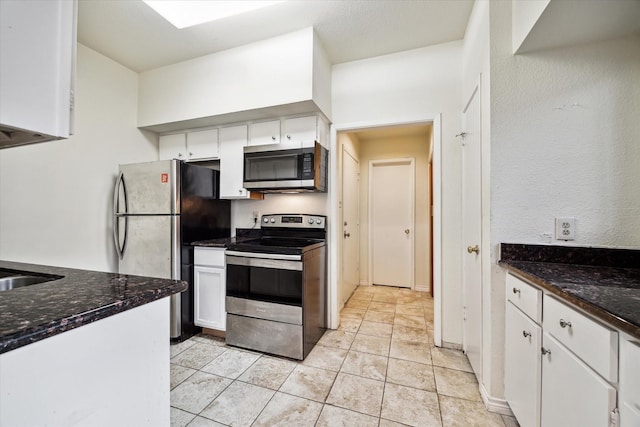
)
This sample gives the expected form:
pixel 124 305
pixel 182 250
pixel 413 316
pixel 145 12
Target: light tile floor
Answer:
pixel 379 369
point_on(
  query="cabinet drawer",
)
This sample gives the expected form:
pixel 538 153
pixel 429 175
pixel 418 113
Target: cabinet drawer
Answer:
pixel 524 296
pixel 209 256
pixel 594 343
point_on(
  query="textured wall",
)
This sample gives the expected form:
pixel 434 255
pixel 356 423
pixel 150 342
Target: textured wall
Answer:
pixel 566 142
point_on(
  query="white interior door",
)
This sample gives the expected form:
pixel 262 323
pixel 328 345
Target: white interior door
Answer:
pixel 471 233
pixel 350 225
pixel 391 219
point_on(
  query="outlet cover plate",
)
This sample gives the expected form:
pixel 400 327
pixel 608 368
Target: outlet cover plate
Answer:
pixel 565 228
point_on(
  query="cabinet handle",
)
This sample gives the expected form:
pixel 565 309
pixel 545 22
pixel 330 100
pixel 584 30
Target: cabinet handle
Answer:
pixel 179 154
pixel 564 323
pixel 526 334
pixel 516 290
pixel 273 138
pixel 190 154
pixel 240 191
pixel 288 136
pixel 545 351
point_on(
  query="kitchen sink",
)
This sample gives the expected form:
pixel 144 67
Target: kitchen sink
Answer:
pixel 12 279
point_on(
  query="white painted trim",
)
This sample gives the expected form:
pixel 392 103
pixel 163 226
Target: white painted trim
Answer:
pixel 437 230
pixel 333 235
pixel 333 232
pixel 493 404
pixel 422 288
pixel 412 184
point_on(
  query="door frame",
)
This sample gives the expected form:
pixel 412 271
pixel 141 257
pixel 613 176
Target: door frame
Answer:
pixel 412 187
pixel 333 234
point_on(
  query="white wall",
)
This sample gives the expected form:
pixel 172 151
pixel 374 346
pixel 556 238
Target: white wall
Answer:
pixel 405 87
pixel 401 147
pixel 307 203
pixel 56 197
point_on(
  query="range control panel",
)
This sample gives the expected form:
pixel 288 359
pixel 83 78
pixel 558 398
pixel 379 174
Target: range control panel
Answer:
pixel 294 221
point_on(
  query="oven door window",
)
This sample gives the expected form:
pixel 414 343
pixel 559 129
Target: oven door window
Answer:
pixel 265 284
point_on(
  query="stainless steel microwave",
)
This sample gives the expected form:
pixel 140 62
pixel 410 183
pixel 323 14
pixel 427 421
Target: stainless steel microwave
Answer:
pixel 278 168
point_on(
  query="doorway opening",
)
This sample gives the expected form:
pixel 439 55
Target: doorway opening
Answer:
pixel 360 153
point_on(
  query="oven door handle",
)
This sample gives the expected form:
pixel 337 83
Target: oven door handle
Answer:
pixel 267 256
pixel 277 264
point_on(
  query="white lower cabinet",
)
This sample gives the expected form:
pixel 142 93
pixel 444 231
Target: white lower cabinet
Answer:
pixel 560 365
pixel 573 395
pixel 209 288
pixel 522 362
pixel 629 382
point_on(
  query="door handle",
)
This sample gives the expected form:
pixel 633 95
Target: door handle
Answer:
pixel 406 231
pixel 472 249
pixel 345 234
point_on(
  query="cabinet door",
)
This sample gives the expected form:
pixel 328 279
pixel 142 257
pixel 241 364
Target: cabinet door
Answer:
pixel 173 147
pixel 37 63
pixel 523 339
pixel 264 133
pixel 203 144
pixel 209 288
pixel 573 395
pixel 232 141
pixel 299 129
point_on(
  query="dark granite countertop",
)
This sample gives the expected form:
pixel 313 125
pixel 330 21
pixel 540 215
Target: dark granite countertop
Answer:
pixel 603 282
pixel 242 234
pixel 32 313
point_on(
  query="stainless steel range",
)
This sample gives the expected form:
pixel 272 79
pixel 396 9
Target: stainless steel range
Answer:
pixel 276 286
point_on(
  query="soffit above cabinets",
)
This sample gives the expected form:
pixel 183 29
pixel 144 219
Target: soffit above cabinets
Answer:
pixel 548 24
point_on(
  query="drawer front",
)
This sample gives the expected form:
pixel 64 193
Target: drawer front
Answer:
pixel 594 343
pixel 524 296
pixel 283 339
pixel 213 257
pixel 629 417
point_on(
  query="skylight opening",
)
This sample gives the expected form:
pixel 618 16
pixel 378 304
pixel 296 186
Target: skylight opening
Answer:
pixel 187 13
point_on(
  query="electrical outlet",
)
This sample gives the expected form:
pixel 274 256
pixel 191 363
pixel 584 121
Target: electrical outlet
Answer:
pixel 256 216
pixel 565 228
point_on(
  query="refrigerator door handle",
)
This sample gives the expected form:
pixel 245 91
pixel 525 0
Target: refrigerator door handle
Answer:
pixel 117 215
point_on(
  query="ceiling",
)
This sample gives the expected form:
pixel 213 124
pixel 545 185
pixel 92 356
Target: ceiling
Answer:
pixel 132 34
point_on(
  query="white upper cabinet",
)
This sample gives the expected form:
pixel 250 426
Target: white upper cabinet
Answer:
pixel 300 129
pixel 203 144
pixel 190 146
pixel 37 66
pixel 263 133
pixel 233 139
pixel 536 24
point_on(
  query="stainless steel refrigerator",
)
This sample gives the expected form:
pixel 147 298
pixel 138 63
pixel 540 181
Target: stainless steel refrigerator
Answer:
pixel 159 209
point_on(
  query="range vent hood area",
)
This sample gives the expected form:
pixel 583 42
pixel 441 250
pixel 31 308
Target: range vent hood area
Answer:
pixel 13 137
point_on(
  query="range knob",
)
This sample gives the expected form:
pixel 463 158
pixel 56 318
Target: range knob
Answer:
pixel 319 221
pixel 310 220
pixel 273 220
pixel 265 219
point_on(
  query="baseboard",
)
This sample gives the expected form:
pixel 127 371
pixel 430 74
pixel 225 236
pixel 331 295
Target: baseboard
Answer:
pixel 499 406
pixel 422 288
pixel 451 345
pixel 364 283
